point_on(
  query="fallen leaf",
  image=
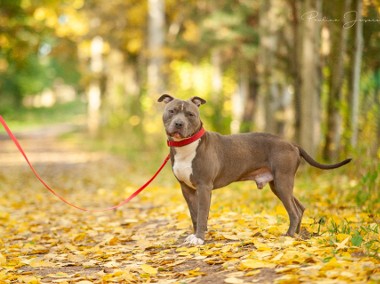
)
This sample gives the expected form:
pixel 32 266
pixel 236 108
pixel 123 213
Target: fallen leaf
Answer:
pixel 3 260
pixel 28 279
pixel 343 244
pixel 254 264
pixel 149 269
pixel 233 280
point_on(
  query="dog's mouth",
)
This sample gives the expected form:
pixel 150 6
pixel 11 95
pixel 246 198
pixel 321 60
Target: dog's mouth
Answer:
pixel 176 135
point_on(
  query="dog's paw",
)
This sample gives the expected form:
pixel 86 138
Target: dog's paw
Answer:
pixel 193 240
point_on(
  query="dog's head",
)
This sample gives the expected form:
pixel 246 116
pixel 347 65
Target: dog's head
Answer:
pixel 181 118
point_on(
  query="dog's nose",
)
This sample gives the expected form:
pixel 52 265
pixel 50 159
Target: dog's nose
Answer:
pixel 178 124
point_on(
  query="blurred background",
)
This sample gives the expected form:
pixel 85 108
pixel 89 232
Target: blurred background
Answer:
pixel 306 70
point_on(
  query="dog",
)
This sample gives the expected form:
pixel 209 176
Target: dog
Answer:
pixel 203 160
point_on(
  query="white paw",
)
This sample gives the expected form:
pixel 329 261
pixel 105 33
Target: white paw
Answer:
pixel 194 241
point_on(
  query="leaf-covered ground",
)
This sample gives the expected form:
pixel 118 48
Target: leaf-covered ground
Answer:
pixel 43 240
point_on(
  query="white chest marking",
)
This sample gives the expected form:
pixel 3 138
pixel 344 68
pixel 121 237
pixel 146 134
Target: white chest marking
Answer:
pixel 183 160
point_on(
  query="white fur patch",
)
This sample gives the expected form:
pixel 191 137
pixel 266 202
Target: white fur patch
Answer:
pixel 193 240
pixel 183 160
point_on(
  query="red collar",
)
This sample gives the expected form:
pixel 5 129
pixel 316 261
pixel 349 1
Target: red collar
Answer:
pixel 187 141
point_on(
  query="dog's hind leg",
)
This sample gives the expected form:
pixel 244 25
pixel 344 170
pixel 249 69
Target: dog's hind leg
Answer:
pixel 300 210
pixel 282 187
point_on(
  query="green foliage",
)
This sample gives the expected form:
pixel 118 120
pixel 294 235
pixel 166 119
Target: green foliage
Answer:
pixel 26 118
pixel 32 56
pixel 357 239
pixel 368 194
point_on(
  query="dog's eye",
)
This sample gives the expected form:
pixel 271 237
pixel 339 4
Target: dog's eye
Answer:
pixel 171 111
pixel 190 114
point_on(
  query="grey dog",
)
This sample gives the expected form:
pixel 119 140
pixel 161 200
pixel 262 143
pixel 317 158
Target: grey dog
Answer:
pixel 212 160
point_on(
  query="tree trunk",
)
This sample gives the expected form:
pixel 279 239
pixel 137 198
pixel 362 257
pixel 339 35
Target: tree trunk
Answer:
pixel 94 90
pixel 310 89
pixel 354 98
pixel 334 118
pixel 295 54
pixel 216 90
pixel 156 39
pixel 114 102
pixel 239 98
pixel 250 102
pixel 268 44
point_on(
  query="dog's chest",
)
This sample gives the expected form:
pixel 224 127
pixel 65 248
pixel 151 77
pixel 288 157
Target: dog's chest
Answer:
pixel 183 161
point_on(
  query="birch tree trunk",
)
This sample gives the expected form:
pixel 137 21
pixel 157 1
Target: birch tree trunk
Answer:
pixel 310 88
pixel 354 98
pixel 156 39
pixel 94 90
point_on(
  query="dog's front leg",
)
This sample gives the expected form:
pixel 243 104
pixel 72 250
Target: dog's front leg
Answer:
pixel 203 193
pixel 191 198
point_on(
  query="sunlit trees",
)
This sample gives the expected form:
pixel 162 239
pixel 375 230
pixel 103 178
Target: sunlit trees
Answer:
pixel 262 65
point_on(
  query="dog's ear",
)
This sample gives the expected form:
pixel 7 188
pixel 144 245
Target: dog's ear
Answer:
pixel 198 101
pixel 165 98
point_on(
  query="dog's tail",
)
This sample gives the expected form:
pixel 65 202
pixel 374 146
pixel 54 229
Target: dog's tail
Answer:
pixel 314 163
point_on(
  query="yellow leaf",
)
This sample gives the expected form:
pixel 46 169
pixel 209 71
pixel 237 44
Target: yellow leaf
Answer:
pixel 40 263
pixel 200 257
pixel 3 260
pixel 4 216
pixel 196 272
pixel 192 249
pixel 262 247
pixel 253 264
pixel 113 241
pixel 278 256
pixel 274 230
pixel 287 279
pixel 333 263
pixel 342 237
pixel 28 279
pixel 253 272
pixel 181 249
pixel 233 280
pixel 343 245
pixel 231 237
pixel 80 237
pixel 58 275
pixel 287 268
pixel 149 269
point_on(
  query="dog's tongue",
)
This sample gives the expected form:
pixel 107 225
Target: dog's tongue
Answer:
pixel 177 135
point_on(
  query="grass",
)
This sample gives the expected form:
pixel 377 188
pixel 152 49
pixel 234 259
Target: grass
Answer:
pixel 29 118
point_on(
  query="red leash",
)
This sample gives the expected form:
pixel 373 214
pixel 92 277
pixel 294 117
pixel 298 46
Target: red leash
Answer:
pixel 133 195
